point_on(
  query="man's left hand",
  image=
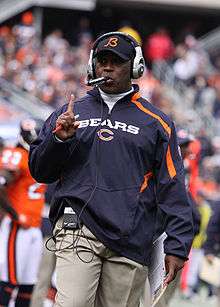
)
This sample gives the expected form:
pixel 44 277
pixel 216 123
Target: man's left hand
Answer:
pixel 172 264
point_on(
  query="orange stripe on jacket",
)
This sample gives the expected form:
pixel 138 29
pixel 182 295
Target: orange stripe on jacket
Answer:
pixel 145 183
pixel 170 164
pixel 169 160
pixel 145 110
pixel 11 255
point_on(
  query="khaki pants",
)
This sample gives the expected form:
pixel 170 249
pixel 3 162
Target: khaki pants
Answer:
pixel 91 275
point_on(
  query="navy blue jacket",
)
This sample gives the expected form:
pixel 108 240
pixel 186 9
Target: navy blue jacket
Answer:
pixel 120 166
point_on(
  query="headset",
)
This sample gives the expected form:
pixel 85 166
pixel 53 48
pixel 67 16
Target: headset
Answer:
pixel 138 63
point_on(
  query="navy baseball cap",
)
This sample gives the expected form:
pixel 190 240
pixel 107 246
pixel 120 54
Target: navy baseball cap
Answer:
pixel 118 45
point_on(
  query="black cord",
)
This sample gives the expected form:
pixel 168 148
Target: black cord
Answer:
pixel 77 234
pixel 97 164
pixel 80 233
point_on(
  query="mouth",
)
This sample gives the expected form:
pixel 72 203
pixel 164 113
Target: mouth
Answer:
pixel 109 81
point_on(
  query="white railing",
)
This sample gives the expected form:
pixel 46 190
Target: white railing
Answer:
pixel 84 5
pixel 211 40
pixel 10 8
pixel 24 101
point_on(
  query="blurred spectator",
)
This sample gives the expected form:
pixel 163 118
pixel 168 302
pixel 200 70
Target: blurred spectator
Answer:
pixel 191 60
pixel 6 38
pixel 186 65
pixel 193 44
pixel 83 29
pixel 55 41
pixel 206 145
pixel 197 252
pixel 127 28
pixel 148 85
pixel 204 94
pixel 1 145
pixel 212 244
pixel 25 30
pixel 159 46
pixel 193 161
pixel 216 105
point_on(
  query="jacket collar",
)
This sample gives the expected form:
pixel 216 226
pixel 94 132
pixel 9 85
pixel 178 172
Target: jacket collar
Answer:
pixel 95 92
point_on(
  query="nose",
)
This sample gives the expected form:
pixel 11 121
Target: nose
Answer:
pixel 109 66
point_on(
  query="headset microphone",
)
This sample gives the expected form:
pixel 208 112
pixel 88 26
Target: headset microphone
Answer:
pixel 97 81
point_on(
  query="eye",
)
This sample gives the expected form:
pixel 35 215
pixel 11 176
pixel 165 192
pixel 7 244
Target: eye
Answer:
pixel 103 61
pixel 118 61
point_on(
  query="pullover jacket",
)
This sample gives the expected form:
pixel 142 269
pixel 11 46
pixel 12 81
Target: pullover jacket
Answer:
pixel 115 172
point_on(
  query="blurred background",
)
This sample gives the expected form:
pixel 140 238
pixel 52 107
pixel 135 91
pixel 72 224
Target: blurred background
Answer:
pixel 44 49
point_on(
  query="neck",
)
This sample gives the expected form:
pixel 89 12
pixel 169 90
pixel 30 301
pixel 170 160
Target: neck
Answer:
pixel 116 94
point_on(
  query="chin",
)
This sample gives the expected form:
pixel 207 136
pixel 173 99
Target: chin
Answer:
pixel 109 89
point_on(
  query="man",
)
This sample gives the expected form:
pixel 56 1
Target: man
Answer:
pixel 115 165
pixel 22 198
pixel 159 47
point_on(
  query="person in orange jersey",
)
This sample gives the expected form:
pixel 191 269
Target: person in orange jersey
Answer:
pixel 22 198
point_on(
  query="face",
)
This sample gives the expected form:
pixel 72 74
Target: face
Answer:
pixel 111 65
pixel 185 150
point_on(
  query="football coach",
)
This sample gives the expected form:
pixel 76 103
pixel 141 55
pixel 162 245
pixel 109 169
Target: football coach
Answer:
pixel 117 161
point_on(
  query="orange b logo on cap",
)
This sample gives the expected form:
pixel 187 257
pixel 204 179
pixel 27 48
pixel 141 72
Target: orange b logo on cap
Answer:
pixel 112 42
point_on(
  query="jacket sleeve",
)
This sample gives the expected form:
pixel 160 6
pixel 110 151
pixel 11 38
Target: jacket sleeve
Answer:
pixel 47 156
pixel 172 196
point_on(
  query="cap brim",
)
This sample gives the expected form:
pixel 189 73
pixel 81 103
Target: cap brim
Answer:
pixel 122 56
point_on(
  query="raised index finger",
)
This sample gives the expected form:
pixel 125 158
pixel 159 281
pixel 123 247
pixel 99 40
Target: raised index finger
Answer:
pixel 71 103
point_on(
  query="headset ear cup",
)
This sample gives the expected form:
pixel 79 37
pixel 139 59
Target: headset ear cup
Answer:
pixel 90 67
pixel 138 64
pixel 93 68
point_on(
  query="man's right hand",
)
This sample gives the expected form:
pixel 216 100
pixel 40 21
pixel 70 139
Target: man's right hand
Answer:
pixel 66 124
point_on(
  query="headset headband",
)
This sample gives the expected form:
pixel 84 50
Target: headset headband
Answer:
pixel 124 35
